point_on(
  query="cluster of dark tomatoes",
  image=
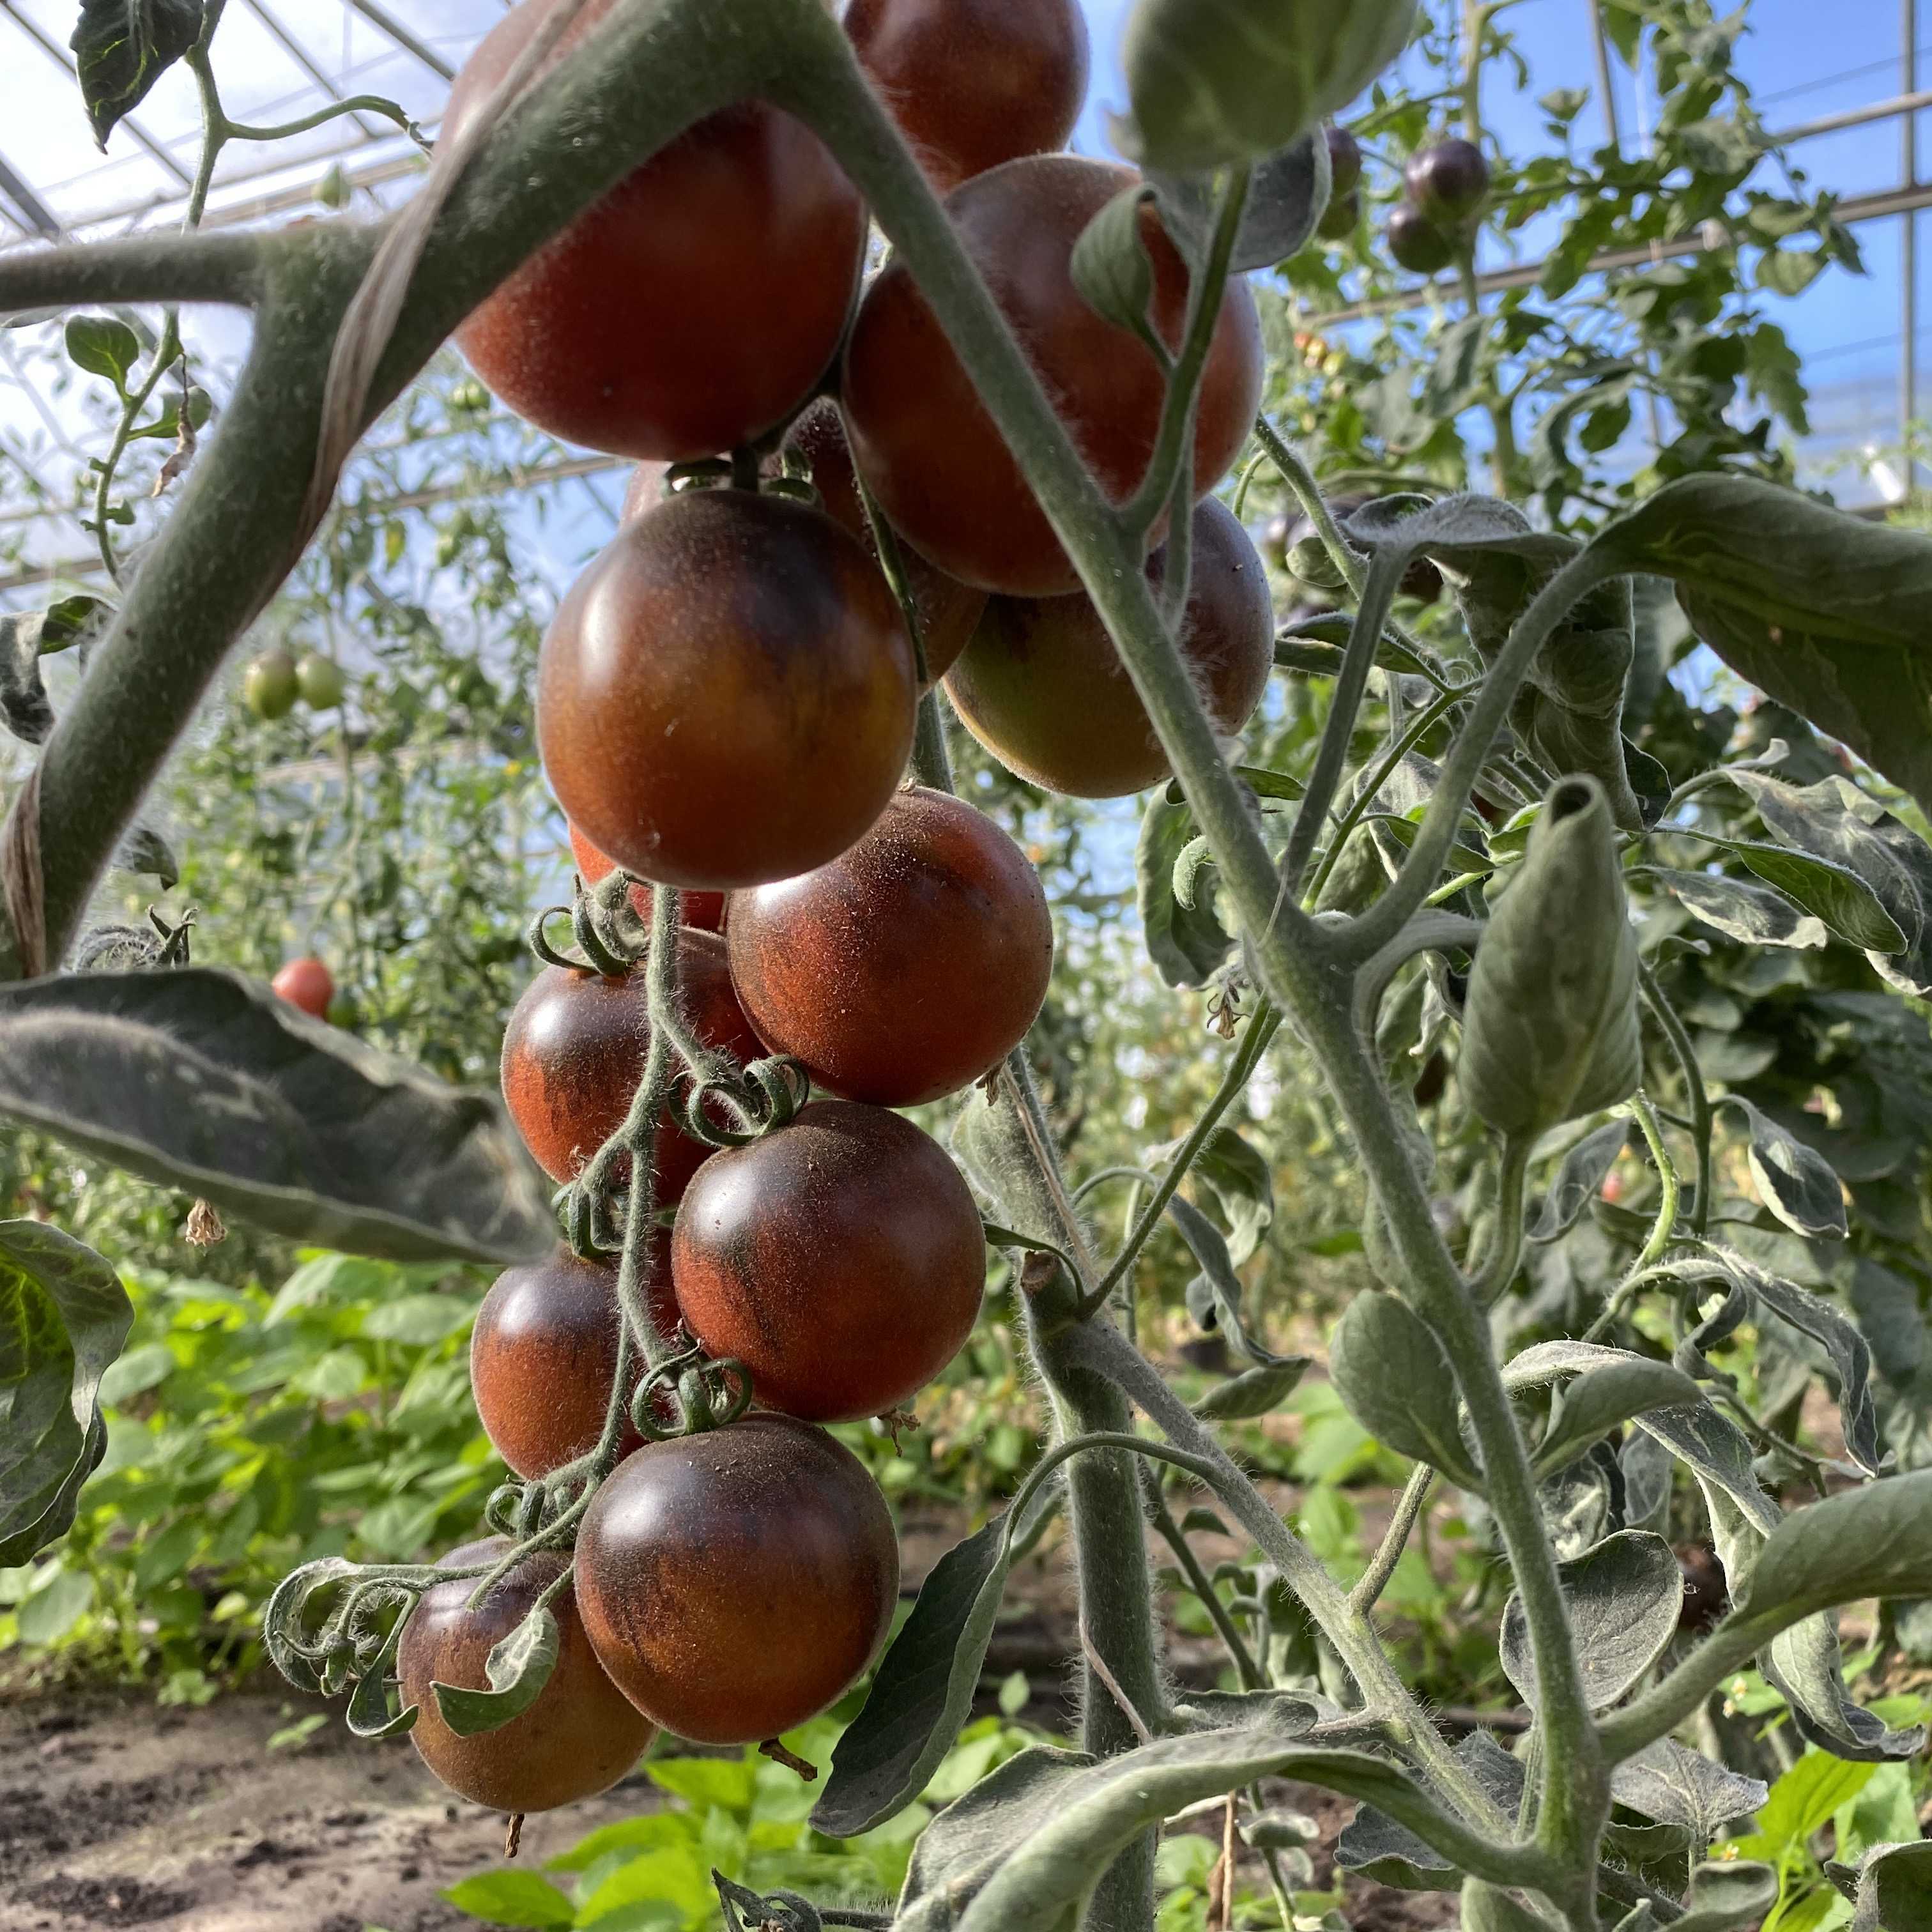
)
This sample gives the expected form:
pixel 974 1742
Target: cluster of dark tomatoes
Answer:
pixel 726 705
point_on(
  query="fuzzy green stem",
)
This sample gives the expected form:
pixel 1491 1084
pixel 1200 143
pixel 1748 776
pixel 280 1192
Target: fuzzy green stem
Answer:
pixel 1261 1029
pixel 1499 1265
pixel 1702 1116
pixel 1409 1506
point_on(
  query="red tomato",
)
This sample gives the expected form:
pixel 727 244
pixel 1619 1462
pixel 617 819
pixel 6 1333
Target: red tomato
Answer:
pixel 728 695
pixel 696 304
pixel 308 983
pixel 974 82
pixel 924 442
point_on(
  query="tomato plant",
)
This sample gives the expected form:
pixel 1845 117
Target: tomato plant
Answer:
pixel 1604 999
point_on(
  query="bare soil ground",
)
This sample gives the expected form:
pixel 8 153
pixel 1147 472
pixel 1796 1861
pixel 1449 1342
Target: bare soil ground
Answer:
pixel 116 1812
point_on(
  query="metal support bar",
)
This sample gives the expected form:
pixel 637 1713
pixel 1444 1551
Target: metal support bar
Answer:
pixel 402 37
pixel 55 52
pixel 1600 45
pixel 1527 275
pixel 1908 253
pixel 21 195
pixel 1910 102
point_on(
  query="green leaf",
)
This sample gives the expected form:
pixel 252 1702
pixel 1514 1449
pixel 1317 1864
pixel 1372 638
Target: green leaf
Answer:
pixel 1549 1032
pixel 1757 915
pixel 64 1318
pixel 1239 1176
pixel 1831 892
pixel 1393 1376
pixel 1728 1895
pixel 1213 82
pixel 418 1321
pixel 103 345
pixel 53 1609
pixel 1624 1597
pixel 1875 1540
pixel 1374 1844
pixel 511 1898
pixel 1287 193
pixel 1025 1846
pixel 1580 1179
pixel 1215 1297
pixel 1255 1391
pixel 1822 610
pixel 708 1783
pixel 1603 1399
pixel 1111 267
pixel 1802 1801
pixel 1674 1785
pixel 1893 1888
pixel 518 1667
pixel 1794 1181
pixel 203 1080
pixel 922 1690
pixel 1186 943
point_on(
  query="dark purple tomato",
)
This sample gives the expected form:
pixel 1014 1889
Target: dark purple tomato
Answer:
pixel 974 82
pixel 840 1258
pixel 1340 218
pixel 544 1353
pixel 573 1052
pixel 927 447
pixel 906 967
pixel 727 696
pixel 1344 161
pixel 948 610
pixel 705 910
pixel 1447 182
pixel 579 1738
pixel 694 306
pixel 1417 243
pixel 736 1582
pixel 1042 688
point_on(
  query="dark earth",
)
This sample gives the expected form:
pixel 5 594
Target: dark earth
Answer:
pixel 115 1811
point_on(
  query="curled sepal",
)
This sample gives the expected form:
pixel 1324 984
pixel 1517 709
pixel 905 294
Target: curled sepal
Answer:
pixel 765 1096
pixel 369 1715
pixel 777 1911
pixel 1550 1031
pixel 518 1667
pixel 297 1653
pixel 1214 82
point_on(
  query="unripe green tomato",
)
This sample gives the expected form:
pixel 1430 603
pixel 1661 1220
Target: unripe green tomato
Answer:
pixel 1340 218
pixel 321 681
pixel 270 685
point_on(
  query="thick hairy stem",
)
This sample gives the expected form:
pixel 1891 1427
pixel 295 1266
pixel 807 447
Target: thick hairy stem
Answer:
pixel 1576 1799
pixel 1702 1116
pixel 229 268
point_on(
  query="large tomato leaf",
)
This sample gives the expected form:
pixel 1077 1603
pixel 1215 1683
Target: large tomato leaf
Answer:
pixel 203 1080
pixel 1824 611
pixel 64 1318
pixel 122 47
